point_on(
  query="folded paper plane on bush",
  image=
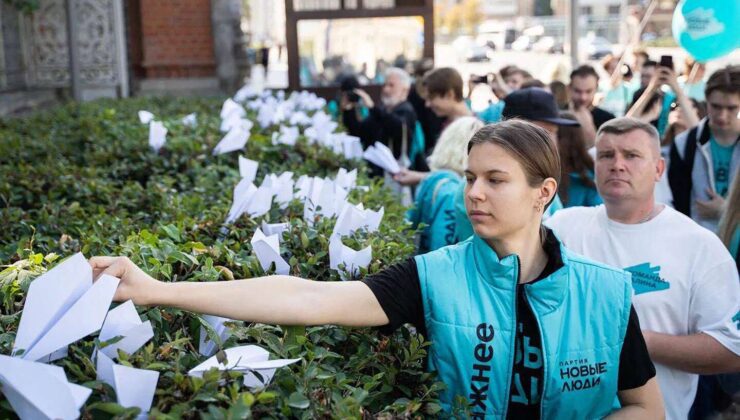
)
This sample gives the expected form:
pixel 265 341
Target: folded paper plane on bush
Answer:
pixel 248 168
pixel 124 322
pixel 190 120
pixel 40 391
pixel 157 135
pixel 339 253
pixel 251 360
pixel 62 306
pixel 267 250
pixel 134 387
pixel 145 117
pixel 234 140
pixel 206 346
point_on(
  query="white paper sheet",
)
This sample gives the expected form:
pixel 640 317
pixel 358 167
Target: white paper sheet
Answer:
pixel 125 322
pixel 245 359
pixel 267 250
pixel 157 135
pixel 40 391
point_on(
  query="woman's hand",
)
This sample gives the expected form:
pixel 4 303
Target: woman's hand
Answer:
pixel 135 284
pixel 409 177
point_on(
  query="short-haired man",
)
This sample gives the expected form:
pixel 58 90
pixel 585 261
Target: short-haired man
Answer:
pixel 685 282
pixel 392 122
pixel 704 160
pixel 443 89
pixel 584 83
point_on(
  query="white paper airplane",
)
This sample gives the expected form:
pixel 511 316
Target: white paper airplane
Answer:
pixel 190 120
pixel 40 391
pixel 134 387
pixel 234 140
pixel 267 250
pixel 62 306
pixel 206 346
pixel 145 117
pixel 124 321
pixel 157 135
pixel 352 218
pixel 340 253
pixel 246 359
pixel 382 156
pixel 248 168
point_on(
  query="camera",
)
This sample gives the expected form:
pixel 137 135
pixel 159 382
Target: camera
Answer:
pixel 347 85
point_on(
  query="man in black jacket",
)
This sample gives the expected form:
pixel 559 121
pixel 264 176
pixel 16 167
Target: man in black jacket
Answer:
pixel 392 122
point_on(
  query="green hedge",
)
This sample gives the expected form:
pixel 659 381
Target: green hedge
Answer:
pixel 82 178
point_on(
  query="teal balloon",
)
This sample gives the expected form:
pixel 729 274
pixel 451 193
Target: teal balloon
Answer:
pixel 707 29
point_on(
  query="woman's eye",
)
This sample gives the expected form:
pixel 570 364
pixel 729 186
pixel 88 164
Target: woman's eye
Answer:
pixel 494 181
pixel 469 180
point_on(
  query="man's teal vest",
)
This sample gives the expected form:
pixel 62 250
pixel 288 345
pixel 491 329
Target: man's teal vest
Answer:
pixel 582 309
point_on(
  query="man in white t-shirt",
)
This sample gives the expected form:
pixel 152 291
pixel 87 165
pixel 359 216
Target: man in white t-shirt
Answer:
pixel 687 291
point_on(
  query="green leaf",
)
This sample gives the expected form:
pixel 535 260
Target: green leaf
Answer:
pixel 298 400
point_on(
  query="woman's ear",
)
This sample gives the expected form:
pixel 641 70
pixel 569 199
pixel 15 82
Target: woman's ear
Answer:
pixel 548 190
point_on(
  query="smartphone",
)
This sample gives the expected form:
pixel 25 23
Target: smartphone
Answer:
pixel 666 61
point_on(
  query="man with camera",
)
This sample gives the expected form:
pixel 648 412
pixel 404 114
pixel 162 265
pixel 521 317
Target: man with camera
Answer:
pixel 392 122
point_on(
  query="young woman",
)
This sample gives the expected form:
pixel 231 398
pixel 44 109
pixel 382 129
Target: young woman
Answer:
pixel 520 326
pixel 577 187
pixel 434 204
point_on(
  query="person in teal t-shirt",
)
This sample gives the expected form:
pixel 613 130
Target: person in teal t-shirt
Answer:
pixel 721 162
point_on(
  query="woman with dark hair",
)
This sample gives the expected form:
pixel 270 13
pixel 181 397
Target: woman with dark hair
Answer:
pixel 577 187
pixel 519 325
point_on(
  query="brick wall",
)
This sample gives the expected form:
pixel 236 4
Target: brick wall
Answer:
pixel 176 38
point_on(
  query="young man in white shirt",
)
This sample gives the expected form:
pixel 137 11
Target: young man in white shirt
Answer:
pixel 686 284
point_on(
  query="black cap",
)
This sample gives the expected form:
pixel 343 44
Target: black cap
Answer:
pixel 534 104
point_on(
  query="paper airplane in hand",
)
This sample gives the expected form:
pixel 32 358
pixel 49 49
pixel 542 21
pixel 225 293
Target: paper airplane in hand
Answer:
pixel 267 250
pixel 206 346
pixel 246 359
pixel 340 253
pixel 157 135
pixel 124 321
pixel 62 306
pixel 40 391
pixel 382 156
pixel 134 387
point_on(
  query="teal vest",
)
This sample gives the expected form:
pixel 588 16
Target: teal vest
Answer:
pixel 582 309
pixel 434 206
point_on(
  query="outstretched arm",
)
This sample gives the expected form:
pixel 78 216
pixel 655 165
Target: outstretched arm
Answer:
pixel 284 300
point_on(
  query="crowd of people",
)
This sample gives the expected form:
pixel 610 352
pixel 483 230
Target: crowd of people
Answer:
pixel 579 249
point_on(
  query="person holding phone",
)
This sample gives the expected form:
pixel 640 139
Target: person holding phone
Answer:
pixel 653 104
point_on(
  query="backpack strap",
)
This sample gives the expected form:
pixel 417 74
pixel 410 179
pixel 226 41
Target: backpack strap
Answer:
pixel 680 169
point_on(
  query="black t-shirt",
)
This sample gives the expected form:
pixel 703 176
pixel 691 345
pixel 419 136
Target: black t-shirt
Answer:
pixel 399 294
pixel 600 116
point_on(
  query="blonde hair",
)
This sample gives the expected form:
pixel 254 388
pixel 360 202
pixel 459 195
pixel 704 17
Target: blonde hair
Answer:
pixel 451 152
pixel 731 215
